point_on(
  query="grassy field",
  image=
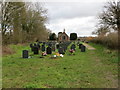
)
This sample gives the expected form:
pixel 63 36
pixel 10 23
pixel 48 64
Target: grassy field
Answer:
pixel 90 69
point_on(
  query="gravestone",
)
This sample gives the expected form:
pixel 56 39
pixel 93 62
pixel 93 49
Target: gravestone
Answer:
pixel 43 48
pixel 43 43
pixel 61 50
pixel 36 50
pixel 50 45
pixel 31 46
pixel 73 46
pixel 83 48
pixel 80 46
pixel 87 42
pixel 25 54
pixel 49 50
pixel 35 44
pixel 53 48
pixel 40 42
pixel 38 45
pixel 65 48
pixel 57 46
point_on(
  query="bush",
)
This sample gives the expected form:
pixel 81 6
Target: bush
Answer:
pixel 73 36
pixel 6 50
pixel 110 41
pixel 52 36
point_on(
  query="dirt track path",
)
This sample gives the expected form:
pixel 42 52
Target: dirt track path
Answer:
pixel 88 46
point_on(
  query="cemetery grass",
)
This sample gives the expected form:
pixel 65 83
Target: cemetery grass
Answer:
pixel 90 69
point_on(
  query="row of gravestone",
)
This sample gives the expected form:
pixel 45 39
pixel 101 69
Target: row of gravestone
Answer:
pixel 51 46
pixel 62 47
pixel 82 47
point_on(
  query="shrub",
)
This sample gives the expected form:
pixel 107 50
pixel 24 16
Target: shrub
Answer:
pixel 6 50
pixel 110 41
pixel 73 36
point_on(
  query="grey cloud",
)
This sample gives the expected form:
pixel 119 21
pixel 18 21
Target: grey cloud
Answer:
pixel 72 10
pixel 59 13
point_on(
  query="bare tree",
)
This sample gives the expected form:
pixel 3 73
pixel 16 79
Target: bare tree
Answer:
pixel 110 16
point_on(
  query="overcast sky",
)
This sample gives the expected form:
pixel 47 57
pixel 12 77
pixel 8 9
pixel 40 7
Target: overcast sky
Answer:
pixel 78 17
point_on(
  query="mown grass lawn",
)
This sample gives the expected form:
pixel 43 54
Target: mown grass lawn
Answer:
pixel 90 69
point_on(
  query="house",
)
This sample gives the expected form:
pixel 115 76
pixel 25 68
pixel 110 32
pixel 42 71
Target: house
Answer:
pixel 62 36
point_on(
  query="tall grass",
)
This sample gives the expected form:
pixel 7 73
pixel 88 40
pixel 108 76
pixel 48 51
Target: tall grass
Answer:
pixel 110 41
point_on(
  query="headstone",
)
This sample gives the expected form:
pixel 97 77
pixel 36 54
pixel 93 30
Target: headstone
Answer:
pixel 87 41
pixel 43 43
pixel 61 50
pixel 50 45
pixel 73 46
pixel 38 45
pixel 31 46
pixel 53 48
pixel 80 46
pixel 40 42
pixel 49 50
pixel 35 44
pixel 57 46
pixel 36 50
pixel 43 47
pixel 83 48
pixel 25 54
pixel 65 48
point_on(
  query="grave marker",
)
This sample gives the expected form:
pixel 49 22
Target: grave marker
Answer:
pixel 83 48
pixel 49 50
pixel 25 54
pixel 61 50
pixel 43 47
pixel 73 46
pixel 36 50
pixel 80 46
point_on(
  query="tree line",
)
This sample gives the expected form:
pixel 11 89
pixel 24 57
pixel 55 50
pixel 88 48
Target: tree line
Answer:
pixel 109 25
pixel 23 22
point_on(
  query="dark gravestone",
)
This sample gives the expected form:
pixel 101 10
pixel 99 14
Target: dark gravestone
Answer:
pixel 35 44
pixel 50 45
pixel 36 50
pixel 43 43
pixel 83 48
pixel 53 48
pixel 25 54
pixel 57 46
pixel 73 46
pixel 40 42
pixel 80 46
pixel 61 50
pixel 87 41
pixel 49 50
pixel 38 45
pixel 65 48
pixel 43 47
pixel 31 46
